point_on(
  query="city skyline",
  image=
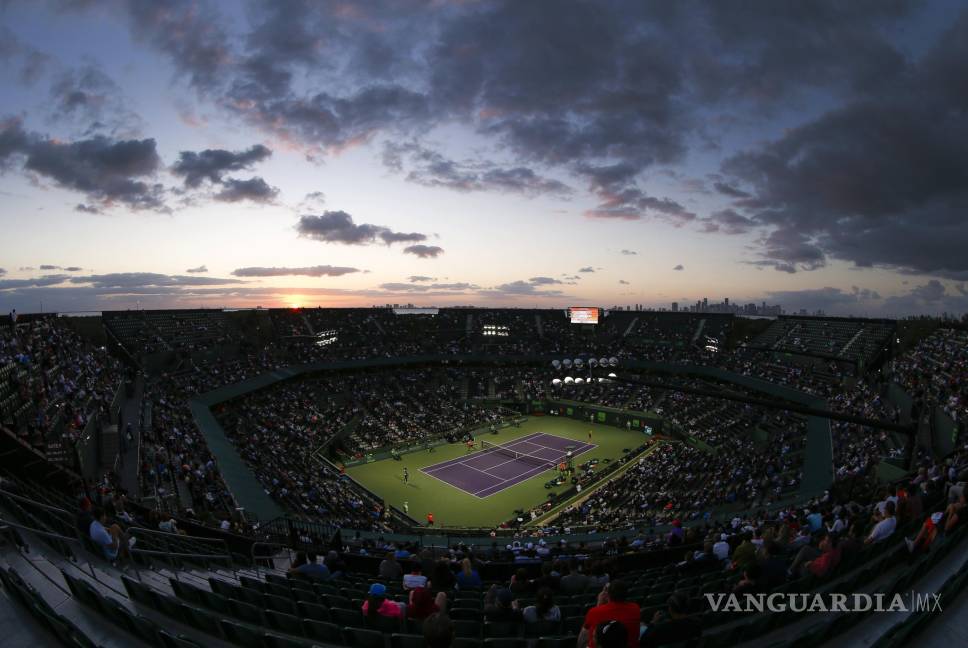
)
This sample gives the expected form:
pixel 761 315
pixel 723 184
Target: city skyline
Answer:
pixel 187 153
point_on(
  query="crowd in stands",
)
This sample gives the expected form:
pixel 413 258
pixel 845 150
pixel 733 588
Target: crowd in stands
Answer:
pixel 53 381
pixel 681 481
pixel 936 371
pixel 566 587
pixel 856 340
pixel 62 381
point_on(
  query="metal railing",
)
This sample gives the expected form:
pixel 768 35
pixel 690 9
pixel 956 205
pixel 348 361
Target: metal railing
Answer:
pixel 5 524
pixel 287 552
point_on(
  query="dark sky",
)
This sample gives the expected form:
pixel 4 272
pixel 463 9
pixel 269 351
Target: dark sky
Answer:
pixel 186 153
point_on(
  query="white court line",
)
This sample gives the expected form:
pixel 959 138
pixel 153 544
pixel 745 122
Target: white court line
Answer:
pixel 460 460
pixel 526 475
pixel 523 477
pixel 452 485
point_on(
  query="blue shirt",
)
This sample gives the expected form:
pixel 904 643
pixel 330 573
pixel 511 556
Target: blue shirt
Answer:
pixel 102 537
pixel 816 521
pixel 314 571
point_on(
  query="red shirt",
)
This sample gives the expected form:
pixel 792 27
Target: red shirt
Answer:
pixel 821 566
pixel 625 612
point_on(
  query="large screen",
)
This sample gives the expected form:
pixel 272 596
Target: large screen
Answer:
pixel 583 315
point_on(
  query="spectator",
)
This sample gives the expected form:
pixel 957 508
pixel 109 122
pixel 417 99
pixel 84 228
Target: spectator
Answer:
pixel 544 608
pixel 721 548
pixel 520 586
pixel 819 560
pixel 598 577
pixel 468 577
pixel 574 582
pixel 390 569
pixel 674 626
pixel 955 513
pixel 442 577
pixel 377 603
pixel 751 582
pixel 414 580
pixel 84 517
pixel 611 634
pixel 311 569
pixel 438 631
pixel 499 605
pixel 885 526
pixel 548 578
pixel 110 539
pixel 926 536
pixel 612 606
pixel 423 603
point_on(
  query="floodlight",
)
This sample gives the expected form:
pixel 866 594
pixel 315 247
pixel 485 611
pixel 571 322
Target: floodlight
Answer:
pixel 613 361
pixel 569 380
pixel 566 363
pixel 578 363
pixel 612 375
pixel 579 381
pixel 556 364
pixel 592 363
pixel 556 382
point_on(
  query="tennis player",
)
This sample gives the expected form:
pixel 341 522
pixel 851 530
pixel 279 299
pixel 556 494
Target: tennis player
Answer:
pixel 406 475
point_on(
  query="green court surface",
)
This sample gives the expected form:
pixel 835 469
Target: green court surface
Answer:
pixel 454 507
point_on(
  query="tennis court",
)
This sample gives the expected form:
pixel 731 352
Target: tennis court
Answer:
pixel 498 467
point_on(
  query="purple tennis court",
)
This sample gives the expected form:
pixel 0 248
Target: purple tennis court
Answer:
pixel 492 470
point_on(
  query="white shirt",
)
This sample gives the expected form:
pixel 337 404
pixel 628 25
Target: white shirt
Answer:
pixel 721 549
pixel 413 581
pixel 883 529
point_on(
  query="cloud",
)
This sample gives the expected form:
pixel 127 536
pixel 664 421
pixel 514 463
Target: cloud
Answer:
pixel 422 288
pixel 679 267
pixel 419 278
pixel 524 288
pixel 188 32
pixel 45 280
pixel 86 209
pixel 314 271
pixel 201 268
pixel 424 251
pixel 134 280
pixel 730 190
pixel 103 169
pixel 931 297
pixel 625 84
pixel 2 272
pixel 728 221
pixel 623 282
pixel 33 63
pixel 254 189
pixel 46 266
pixel 629 252
pixel 877 181
pixel 211 164
pixel 520 288
pixel 89 97
pixel 586 269
pixel 631 203
pixel 313 199
pixel 833 301
pixel 543 281
pixel 432 169
pixel 338 227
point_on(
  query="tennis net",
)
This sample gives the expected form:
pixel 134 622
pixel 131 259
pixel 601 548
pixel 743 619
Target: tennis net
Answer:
pixel 508 452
